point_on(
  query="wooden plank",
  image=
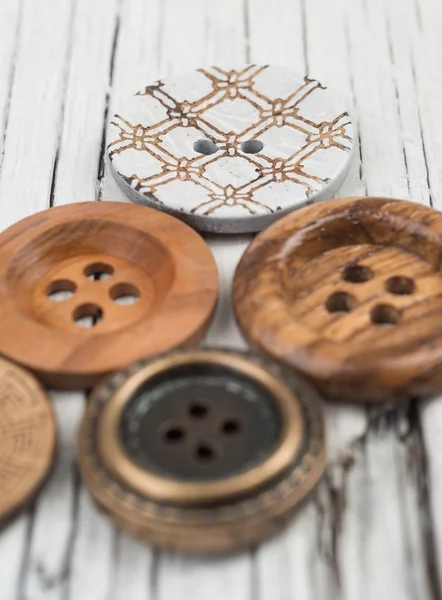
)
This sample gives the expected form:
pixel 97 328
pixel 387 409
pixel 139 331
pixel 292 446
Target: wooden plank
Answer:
pixel 373 530
pixel 121 566
pixel 50 540
pixel 74 177
pixel 283 566
pixel 13 538
pixel 10 13
pixel 212 34
pixel 36 108
pixel 200 579
pixel 342 535
pixel 135 62
pixel 34 85
pixel 366 539
pixel 426 58
pixel 415 53
pixel 427 54
pixel 404 42
pixel 80 153
pixel 227 43
pixel 276 33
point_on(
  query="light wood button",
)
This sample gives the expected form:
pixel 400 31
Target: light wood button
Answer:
pixel 88 288
pixel 27 439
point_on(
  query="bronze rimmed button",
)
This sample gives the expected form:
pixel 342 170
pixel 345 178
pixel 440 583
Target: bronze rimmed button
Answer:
pixel 349 293
pixel 204 451
pixel 27 438
pixel 86 289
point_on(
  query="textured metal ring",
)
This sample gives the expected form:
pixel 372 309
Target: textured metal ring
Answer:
pixel 236 494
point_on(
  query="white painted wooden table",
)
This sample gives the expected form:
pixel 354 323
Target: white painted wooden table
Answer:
pixel 373 531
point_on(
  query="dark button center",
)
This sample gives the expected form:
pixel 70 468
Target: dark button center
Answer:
pixel 200 422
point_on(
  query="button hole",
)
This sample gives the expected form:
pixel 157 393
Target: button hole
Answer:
pixel 231 427
pixel 205 453
pixel 124 294
pixel 340 303
pixel 400 285
pixel 172 435
pixel 205 147
pixel 385 315
pixel 198 410
pixel 252 146
pixel 87 315
pixel 357 274
pixel 98 271
pixel 60 290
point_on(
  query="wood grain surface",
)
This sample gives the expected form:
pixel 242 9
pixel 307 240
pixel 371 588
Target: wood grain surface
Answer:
pixel 348 292
pixel 27 439
pixel 101 254
pixel 374 528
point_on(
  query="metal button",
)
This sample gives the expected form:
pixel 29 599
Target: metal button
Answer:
pixel 223 442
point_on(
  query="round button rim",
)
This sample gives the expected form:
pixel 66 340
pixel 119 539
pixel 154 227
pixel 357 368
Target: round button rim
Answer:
pixel 165 489
pixel 384 378
pixel 241 223
pixel 214 529
pixel 35 477
pixel 73 365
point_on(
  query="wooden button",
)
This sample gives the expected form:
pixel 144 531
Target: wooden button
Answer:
pixel 202 451
pixel 27 439
pixel 86 289
pixel 350 294
pixel 230 151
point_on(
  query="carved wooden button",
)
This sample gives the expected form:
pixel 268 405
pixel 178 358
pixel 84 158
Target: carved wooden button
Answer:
pixel 27 439
pixel 203 451
pixel 86 289
pixel 350 294
pixel 230 151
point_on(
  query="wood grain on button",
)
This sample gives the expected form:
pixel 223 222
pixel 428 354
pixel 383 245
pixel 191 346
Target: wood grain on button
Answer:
pixel 27 438
pixel 350 294
pixel 88 288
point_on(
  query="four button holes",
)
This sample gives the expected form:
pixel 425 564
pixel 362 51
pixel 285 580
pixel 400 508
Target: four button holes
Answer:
pixel 385 315
pixel 203 451
pixel 90 314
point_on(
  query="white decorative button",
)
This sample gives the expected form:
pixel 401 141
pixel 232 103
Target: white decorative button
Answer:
pixel 230 151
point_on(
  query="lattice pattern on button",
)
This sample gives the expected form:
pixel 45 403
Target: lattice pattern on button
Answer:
pixel 334 135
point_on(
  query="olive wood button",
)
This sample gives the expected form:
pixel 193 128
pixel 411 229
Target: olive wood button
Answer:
pixel 231 150
pixel 86 289
pixel 202 451
pixel 349 293
pixel 27 439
